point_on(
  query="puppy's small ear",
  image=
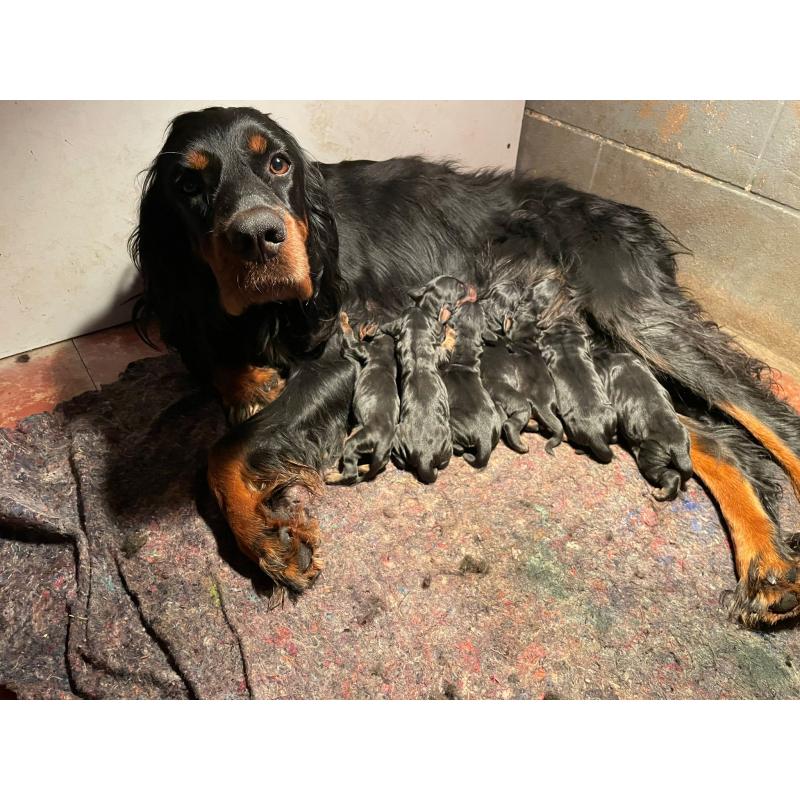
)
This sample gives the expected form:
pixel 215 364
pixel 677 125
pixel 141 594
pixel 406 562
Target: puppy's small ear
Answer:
pixel 445 350
pixel 445 314
pixel 344 321
pixel 417 294
pixel 393 328
pixel 447 346
pixel 358 352
pixel 470 296
pixel 508 323
pixel 367 330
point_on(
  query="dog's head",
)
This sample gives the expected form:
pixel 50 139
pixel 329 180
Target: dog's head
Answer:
pixel 232 202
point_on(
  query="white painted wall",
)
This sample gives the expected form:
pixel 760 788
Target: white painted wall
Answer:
pixel 70 181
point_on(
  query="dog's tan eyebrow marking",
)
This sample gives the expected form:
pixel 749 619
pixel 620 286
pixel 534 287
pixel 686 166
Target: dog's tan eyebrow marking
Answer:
pixel 196 159
pixel 257 143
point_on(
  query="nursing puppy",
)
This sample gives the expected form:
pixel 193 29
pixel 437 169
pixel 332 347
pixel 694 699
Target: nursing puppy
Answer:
pixel 474 421
pixel 533 378
pixel 423 443
pixel 499 378
pixel 513 370
pixel 646 420
pixel 583 404
pixel 376 403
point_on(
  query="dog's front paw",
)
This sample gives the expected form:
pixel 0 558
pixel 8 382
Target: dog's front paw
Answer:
pixel 769 593
pixel 286 548
pixel 286 551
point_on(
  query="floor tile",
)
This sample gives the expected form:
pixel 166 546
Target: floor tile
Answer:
pixel 107 353
pixel 40 379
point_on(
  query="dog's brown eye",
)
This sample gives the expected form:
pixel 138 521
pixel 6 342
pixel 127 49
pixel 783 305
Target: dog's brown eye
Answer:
pixel 190 184
pixel 279 165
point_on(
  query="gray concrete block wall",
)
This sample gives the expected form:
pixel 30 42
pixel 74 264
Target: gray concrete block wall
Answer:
pixel 724 177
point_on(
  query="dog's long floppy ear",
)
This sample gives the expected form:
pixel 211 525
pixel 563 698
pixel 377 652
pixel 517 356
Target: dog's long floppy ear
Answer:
pixel 179 291
pixel 322 244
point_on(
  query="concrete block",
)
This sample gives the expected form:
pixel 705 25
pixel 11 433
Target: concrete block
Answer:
pixel 718 138
pixel 551 151
pixel 778 173
pixel 746 264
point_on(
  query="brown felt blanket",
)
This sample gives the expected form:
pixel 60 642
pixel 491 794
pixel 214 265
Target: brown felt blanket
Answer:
pixel 538 576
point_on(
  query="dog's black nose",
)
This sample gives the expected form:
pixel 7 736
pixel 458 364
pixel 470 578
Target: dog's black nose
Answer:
pixel 257 234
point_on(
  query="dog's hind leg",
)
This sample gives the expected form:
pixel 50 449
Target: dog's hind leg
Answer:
pixel 742 481
pixel 768 437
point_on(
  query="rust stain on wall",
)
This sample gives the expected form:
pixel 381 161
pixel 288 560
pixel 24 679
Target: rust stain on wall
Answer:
pixel 675 119
pixel 646 108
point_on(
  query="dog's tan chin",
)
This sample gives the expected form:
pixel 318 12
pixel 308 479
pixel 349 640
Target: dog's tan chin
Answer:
pixel 235 300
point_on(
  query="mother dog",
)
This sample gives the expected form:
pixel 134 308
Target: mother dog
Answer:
pixel 248 250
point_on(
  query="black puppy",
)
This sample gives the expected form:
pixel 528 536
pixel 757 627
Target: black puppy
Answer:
pixel 514 371
pixel 646 419
pixel 376 403
pixel 583 404
pixel 474 420
pixel 533 378
pixel 499 377
pixel 423 443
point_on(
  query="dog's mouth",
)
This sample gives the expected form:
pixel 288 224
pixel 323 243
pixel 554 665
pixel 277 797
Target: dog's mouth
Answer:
pixel 259 277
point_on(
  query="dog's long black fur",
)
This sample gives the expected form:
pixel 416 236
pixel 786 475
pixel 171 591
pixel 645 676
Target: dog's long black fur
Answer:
pixel 248 249
pixel 444 292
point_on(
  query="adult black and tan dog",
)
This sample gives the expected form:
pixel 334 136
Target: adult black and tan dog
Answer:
pixel 249 249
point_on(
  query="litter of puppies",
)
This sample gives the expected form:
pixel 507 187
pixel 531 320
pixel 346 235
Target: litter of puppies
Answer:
pixel 459 369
